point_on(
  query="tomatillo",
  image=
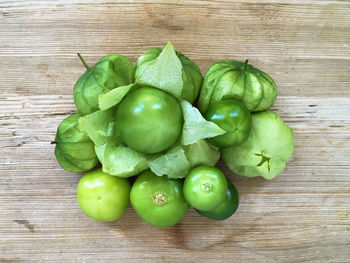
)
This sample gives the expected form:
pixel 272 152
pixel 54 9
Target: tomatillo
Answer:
pixel 149 120
pixel 205 187
pixel 227 207
pixel 102 196
pixel 233 117
pixel 159 201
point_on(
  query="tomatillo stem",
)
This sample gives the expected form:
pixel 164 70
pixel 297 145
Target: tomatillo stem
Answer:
pixel 83 61
pixel 207 186
pixel 246 64
pixel 159 198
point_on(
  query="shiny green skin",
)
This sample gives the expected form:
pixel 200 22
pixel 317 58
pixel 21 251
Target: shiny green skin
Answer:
pixel 191 74
pixel 230 79
pixel 110 72
pixel 205 187
pixel 102 196
pixel 159 201
pixel 227 207
pixel 233 117
pixel 74 150
pixel 149 120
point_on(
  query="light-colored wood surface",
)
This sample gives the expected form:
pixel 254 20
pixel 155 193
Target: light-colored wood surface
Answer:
pixel 301 216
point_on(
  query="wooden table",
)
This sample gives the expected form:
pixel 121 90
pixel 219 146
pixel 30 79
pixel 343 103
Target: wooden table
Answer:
pixel 303 215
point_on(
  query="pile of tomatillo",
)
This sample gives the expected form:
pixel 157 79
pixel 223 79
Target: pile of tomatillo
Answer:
pixel 154 133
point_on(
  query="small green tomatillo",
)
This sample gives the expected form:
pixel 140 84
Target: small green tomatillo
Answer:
pixel 159 201
pixel 102 196
pixel 233 117
pixel 205 187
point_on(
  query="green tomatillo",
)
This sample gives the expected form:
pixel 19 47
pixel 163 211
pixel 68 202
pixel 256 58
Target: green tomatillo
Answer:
pixel 102 196
pixel 159 201
pixel 149 120
pixel 230 79
pixel 108 73
pixel 227 207
pixel 205 187
pixel 189 71
pixel 234 118
pixel 74 150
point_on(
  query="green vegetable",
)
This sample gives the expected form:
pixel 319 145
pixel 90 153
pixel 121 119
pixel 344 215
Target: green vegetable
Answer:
pixel 142 122
pixel 233 117
pixel 149 120
pixel 110 72
pixel 74 150
pixel 103 197
pixel 170 71
pixel 157 200
pixel 227 207
pixel 266 151
pixel 205 188
pixel 229 79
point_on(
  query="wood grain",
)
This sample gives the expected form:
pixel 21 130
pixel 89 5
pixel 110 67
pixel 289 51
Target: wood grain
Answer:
pixel 303 215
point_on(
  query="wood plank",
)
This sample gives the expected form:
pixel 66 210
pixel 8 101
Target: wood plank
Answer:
pixel 251 30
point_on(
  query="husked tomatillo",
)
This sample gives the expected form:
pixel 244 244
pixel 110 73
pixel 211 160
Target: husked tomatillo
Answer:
pixel 149 120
